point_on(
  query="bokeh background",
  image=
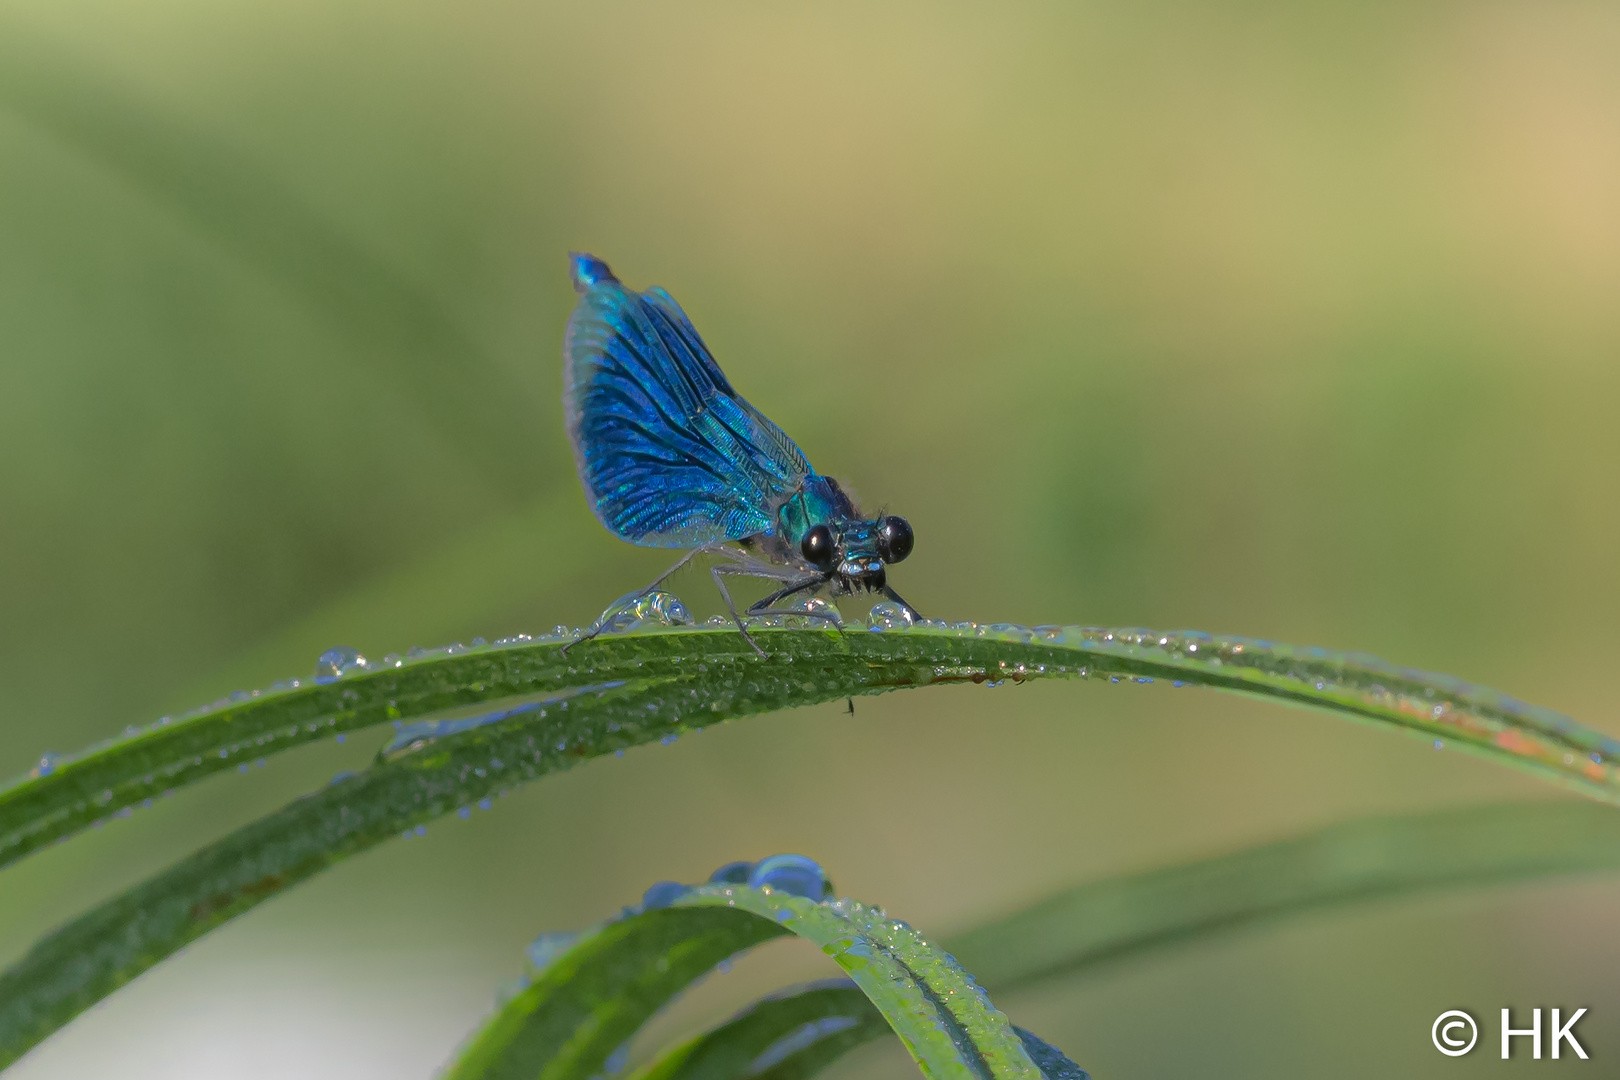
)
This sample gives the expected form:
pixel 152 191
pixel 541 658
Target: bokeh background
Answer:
pixel 1297 321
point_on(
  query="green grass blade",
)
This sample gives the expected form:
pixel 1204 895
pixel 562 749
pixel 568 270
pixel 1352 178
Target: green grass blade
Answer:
pixel 38 809
pixel 944 1020
pixel 788 1036
pixel 1117 919
pixel 1352 862
pixel 648 685
pixel 794 1034
pixel 593 997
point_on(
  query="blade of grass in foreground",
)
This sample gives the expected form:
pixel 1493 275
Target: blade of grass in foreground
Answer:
pixel 642 686
pixel 787 1036
pixel 794 1034
pixel 65 796
pixel 592 997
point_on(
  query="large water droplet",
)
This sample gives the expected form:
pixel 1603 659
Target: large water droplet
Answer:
pixel 821 614
pixel 654 610
pixel 887 615
pixel 795 875
pixel 733 873
pixel 661 895
pixel 335 663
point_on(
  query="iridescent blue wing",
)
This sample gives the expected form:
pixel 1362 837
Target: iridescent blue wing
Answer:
pixel 669 454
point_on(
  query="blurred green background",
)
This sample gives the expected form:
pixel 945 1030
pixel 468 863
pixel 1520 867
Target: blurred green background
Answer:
pixel 1296 321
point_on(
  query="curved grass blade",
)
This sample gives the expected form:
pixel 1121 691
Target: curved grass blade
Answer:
pixel 794 1034
pixel 787 1036
pixel 648 685
pixel 595 995
pixel 945 1021
pixel 74 793
pixel 1117 919
pixel 1356 861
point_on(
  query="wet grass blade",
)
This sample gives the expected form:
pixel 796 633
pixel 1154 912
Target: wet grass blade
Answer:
pixel 794 1034
pixel 590 1000
pixel 1114 920
pixel 1357 861
pixel 807 666
pixel 614 692
pixel 554 1031
pixel 787 1036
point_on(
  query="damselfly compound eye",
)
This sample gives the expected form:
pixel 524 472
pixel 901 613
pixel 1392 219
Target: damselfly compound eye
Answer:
pixel 894 539
pixel 817 547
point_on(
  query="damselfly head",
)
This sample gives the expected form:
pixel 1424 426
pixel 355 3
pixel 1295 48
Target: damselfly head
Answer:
pixel 855 552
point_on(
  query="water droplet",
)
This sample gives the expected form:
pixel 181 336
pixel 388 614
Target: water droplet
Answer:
pixel 717 620
pixel 335 663
pixel 464 812
pixel 667 740
pixel 795 875
pixel 810 612
pixel 1439 744
pixel 661 895
pixel 888 615
pixel 420 830
pixel 733 873
pixel 47 764
pixel 484 804
pixel 655 610
pixel 342 737
pixel 547 947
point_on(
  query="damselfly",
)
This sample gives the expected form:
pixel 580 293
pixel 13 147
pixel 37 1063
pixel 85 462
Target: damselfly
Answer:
pixel 671 456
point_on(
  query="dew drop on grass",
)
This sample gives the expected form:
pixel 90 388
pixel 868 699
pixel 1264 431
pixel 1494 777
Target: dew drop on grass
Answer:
pixel 655 610
pixel 547 947
pixel 733 873
pixel 662 894
pixel 795 875
pixel 887 615
pixel 464 813
pixel 46 765
pixel 337 662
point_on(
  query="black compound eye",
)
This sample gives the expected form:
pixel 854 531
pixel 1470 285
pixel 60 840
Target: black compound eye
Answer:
pixel 894 539
pixel 817 547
